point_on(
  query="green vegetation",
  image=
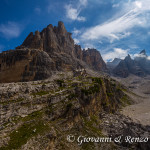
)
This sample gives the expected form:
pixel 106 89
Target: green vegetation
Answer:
pixel 35 123
pixel 32 126
pixel 26 131
pixel 119 89
pixel 91 129
pixel 33 116
pixel 71 96
pixel 125 100
pixel 109 94
pixel 60 82
pixel 40 93
pixel 94 87
pixel 97 80
pixel 88 146
pixel 12 101
pixel 91 90
pixel 91 125
pixel 113 84
pixel 69 105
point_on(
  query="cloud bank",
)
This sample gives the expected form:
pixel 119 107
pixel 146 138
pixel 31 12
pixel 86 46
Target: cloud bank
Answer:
pixel 130 16
pixel 116 53
pixel 118 28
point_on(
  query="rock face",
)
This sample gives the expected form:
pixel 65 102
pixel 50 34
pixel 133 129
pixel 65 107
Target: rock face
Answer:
pixel 140 66
pixel 44 53
pixel 93 58
pixel 41 114
pixel 24 65
pixel 117 124
pixel 51 39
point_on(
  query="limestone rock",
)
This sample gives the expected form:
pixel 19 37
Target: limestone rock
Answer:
pixel 44 53
pixel 93 58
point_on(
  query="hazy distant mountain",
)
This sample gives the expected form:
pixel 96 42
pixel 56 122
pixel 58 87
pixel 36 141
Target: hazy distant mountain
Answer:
pixel 139 66
pixel 143 61
pixel 113 64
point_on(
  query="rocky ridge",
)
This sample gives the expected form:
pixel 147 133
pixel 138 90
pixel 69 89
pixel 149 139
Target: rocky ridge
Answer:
pixel 35 114
pixel 41 114
pixel 44 53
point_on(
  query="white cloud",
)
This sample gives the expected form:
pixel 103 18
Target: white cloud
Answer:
pixel 76 41
pixel 148 57
pixel 138 4
pixel 141 56
pixel 120 27
pixel 88 45
pixel 82 3
pixel 76 32
pixel 116 53
pixel 73 12
pixel 10 30
pixel 115 29
pixel 115 5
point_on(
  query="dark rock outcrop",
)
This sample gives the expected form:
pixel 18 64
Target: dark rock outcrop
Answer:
pixel 44 53
pixel 93 58
pixel 25 65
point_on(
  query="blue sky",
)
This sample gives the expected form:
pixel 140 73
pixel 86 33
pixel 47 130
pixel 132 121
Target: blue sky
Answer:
pixel 114 27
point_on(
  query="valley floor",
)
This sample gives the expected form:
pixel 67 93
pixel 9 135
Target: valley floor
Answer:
pixel 140 111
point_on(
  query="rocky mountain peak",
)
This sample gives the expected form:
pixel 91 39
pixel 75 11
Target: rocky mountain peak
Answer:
pixel 43 53
pixel 143 52
pixel 128 58
pixel 61 28
pixel 50 26
pixel 116 61
pixel 49 39
pixel 93 58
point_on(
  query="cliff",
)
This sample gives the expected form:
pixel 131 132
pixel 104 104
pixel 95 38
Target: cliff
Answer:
pixel 40 115
pixel 44 53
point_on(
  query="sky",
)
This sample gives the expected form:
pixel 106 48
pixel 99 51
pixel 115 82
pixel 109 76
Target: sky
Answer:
pixel 114 27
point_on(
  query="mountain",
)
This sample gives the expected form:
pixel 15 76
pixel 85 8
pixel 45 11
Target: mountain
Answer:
pixel 42 114
pixel 45 53
pixel 70 110
pixel 143 60
pixel 93 58
pixel 128 66
pixel 143 52
pixel 113 64
pixel 139 66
